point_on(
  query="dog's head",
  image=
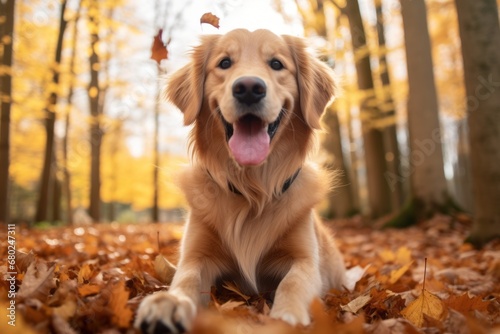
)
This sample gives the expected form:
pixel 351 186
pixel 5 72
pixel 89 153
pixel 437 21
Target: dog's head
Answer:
pixel 256 84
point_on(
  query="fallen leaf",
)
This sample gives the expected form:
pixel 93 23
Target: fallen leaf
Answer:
pixel 228 306
pixel 88 289
pixel 85 274
pixel 232 287
pixel 122 314
pixel 395 275
pixel 164 269
pixel 211 19
pixel 353 275
pixel 355 305
pixel 466 304
pixel 23 260
pixel 38 281
pixel 426 304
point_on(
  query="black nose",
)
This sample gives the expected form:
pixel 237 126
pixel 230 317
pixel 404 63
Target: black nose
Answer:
pixel 249 90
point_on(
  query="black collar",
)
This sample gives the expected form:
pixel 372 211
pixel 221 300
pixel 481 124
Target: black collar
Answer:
pixel 285 187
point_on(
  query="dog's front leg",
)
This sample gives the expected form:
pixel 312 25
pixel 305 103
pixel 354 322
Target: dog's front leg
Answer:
pixel 173 311
pixel 302 283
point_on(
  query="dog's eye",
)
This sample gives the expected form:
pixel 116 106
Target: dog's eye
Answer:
pixel 276 65
pixel 225 63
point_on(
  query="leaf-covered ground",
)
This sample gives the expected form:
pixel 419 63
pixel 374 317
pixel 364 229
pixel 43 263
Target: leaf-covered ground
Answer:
pixel 90 279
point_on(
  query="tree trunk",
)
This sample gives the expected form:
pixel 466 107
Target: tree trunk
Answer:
pixel 50 114
pixel 388 114
pixel 340 198
pixel 67 119
pixel 56 199
pixel 95 112
pixel 7 38
pixel 428 183
pixel 480 36
pixel 378 188
pixel 461 168
pixel 155 215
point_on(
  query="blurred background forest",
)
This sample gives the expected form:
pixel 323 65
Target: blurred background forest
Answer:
pixel 86 137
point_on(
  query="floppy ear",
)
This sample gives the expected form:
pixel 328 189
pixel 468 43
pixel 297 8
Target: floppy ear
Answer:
pixel 185 86
pixel 315 81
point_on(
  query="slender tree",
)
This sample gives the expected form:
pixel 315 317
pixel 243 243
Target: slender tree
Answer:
pixel 67 117
pixel 50 118
pixel 480 36
pixel 388 113
pixel 7 39
pixel 373 140
pixel 94 93
pixel 428 183
pixel 340 200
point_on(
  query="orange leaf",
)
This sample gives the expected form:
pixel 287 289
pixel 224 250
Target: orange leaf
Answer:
pixel 122 314
pixel 158 49
pixel 88 289
pixel 465 304
pixel 210 19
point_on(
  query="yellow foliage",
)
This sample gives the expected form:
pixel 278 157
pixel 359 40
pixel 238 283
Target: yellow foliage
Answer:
pixel 426 304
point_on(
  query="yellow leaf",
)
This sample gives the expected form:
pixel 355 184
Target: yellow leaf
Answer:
pixel 427 304
pixel 398 273
pixel 164 269
pixel 403 255
pixel 85 274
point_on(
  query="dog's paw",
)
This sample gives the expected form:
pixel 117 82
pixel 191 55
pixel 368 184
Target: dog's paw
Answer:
pixel 292 314
pixel 163 312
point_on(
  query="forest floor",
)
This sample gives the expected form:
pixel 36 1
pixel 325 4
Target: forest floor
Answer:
pixel 90 279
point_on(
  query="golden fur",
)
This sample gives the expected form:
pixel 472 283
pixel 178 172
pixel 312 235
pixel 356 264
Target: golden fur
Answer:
pixel 259 237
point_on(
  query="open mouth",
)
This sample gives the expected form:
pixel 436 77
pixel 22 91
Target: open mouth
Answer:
pixel 249 138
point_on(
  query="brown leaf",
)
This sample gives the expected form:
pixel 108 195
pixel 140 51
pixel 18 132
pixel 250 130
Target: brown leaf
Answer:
pixel 38 281
pixel 355 305
pixel 159 49
pixel 23 260
pixel 122 314
pixel 164 269
pixel 210 19
pixel 232 287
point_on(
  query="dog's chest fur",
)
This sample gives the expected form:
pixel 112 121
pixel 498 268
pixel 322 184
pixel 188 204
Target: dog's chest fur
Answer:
pixel 255 246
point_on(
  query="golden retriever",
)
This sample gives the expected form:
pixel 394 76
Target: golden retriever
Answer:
pixel 254 99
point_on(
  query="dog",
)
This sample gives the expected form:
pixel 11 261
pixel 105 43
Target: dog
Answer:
pixel 255 99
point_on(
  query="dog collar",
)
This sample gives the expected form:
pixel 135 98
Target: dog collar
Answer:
pixel 285 187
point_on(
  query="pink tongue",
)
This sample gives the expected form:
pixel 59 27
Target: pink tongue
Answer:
pixel 250 141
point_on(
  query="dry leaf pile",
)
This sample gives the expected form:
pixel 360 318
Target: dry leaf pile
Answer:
pixel 90 279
